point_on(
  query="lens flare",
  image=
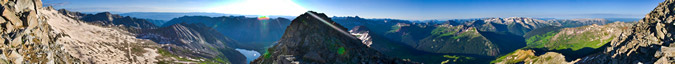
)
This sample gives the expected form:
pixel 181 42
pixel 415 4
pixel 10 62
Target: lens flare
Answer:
pixel 331 25
pixel 263 17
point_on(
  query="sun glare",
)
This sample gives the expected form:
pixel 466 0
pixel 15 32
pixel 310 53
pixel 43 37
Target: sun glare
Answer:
pixel 261 7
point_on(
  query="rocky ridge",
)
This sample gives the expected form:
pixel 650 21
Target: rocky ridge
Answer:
pixel 569 43
pixel 312 39
pixel 362 33
pixel 579 22
pixel 33 34
pixel 27 36
pixel 650 41
pixel 513 25
pixel 107 18
pixel 529 57
pixel 250 33
pixel 592 36
pixel 194 41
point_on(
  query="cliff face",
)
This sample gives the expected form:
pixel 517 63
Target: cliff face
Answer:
pixel 362 33
pixel 26 36
pixel 32 34
pixel 651 40
pixel 314 38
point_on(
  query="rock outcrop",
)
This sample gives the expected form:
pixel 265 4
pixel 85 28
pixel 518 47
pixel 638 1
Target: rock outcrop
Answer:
pixel 314 38
pixel 26 35
pixel 98 44
pixel 528 57
pixel 192 43
pixel 33 34
pixel 362 33
pixel 651 41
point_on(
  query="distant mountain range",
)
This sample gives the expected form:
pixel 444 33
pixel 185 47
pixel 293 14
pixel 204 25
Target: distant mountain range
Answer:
pixel 477 38
pixel 482 38
pixel 32 34
pixel 253 33
pixel 312 38
pixel 180 41
pixel 166 16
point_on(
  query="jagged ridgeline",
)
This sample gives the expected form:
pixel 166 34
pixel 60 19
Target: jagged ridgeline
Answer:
pixel 250 33
pixel 35 34
pixel 26 35
pixel 564 43
pixel 314 38
pixel 648 41
pixel 472 40
pixel 32 34
pixel 651 40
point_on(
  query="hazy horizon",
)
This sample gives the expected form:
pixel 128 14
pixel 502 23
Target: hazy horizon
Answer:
pixel 397 9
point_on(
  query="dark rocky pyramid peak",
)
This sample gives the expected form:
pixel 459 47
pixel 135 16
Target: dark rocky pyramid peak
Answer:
pixel 108 14
pixel 103 13
pixel 320 21
pixel 312 38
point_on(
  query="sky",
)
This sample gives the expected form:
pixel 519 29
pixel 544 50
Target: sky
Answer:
pixel 394 9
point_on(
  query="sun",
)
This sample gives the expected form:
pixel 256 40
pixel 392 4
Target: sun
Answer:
pixel 261 7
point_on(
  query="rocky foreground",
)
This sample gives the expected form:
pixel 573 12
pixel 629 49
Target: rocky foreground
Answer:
pixel 26 35
pixel 651 40
pixel 35 34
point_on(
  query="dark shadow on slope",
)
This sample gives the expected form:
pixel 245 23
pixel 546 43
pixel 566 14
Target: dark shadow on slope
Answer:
pixel 507 42
pixel 542 30
pixel 194 40
pixel 571 55
pixel 394 49
pixel 500 27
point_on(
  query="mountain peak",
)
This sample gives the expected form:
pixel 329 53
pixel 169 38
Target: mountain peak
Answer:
pixel 314 38
pixel 651 40
pixel 320 19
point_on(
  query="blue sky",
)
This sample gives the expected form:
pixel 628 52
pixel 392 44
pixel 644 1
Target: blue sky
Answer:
pixel 396 9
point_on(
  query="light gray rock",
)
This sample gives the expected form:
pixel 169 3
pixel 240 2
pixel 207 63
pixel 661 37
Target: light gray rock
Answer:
pixel 648 43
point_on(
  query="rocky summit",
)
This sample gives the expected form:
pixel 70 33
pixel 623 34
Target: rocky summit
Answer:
pixel 33 34
pixel 26 35
pixel 651 40
pixel 313 38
